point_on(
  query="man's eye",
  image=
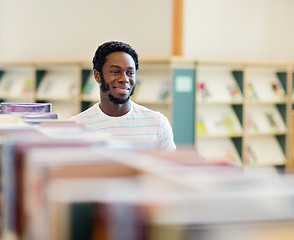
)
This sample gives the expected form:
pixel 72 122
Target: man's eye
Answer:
pixel 114 72
pixel 132 73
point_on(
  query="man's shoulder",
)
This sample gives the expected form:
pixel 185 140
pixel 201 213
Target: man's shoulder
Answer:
pixel 142 110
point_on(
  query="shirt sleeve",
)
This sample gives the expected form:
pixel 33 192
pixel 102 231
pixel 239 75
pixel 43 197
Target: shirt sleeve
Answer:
pixel 166 136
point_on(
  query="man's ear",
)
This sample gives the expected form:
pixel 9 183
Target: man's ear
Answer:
pixel 97 76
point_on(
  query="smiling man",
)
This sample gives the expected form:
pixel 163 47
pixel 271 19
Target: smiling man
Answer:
pixel 115 65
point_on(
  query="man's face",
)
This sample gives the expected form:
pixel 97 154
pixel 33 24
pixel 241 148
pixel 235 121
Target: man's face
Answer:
pixel 118 78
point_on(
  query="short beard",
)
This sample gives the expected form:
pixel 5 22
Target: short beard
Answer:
pixel 105 88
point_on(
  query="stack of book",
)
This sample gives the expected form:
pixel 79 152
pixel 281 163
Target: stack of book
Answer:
pixel 29 111
pixel 73 189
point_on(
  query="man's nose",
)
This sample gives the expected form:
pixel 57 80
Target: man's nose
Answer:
pixel 124 77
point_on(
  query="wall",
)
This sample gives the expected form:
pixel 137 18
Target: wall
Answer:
pixel 72 29
pixel 238 29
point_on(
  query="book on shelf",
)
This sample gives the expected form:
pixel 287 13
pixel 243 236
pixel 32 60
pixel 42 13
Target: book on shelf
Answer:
pixel 21 89
pixel 265 151
pixel 57 85
pixel 251 156
pixel 235 92
pixel 201 127
pixel 265 119
pixel 277 89
pixel 11 88
pixel 217 85
pixel 272 122
pixel 91 89
pixel 152 90
pixel 5 87
pixel 87 89
pixel 164 92
pixel 218 120
pixel 252 127
pixel 219 148
pixel 252 95
pixel 264 86
pixel 16 85
pixel 203 93
pixel 226 125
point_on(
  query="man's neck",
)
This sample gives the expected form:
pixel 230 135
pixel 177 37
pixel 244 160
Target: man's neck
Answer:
pixel 114 110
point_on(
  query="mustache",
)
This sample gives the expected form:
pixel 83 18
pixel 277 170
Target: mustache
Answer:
pixel 105 87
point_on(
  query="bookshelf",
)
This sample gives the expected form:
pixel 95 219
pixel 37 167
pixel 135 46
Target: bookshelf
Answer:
pixel 60 85
pixel 237 102
pixel 17 83
pixel 71 87
pixel 270 110
pixel 246 104
pixel 220 110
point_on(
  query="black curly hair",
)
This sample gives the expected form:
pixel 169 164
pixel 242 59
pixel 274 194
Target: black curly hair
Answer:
pixel 110 47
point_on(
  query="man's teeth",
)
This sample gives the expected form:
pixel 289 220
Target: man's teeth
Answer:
pixel 122 88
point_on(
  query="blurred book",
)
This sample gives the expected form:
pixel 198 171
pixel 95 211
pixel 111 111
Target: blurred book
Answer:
pixel 264 85
pixel 201 127
pixel 265 119
pixel 218 120
pixel 219 149
pixel 68 189
pixel 252 95
pixel 58 85
pixel 203 92
pixel 91 90
pixel 152 91
pixel 235 92
pixel 20 170
pixel 251 124
pixel 265 151
pixel 25 107
pixel 17 84
pixel 217 84
pixel 28 116
pixel 206 206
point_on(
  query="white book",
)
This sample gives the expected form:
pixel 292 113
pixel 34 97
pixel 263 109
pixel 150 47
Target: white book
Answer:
pixel 91 90
pixel 17 85
pixel 152 90
pixel 265 84
pixel 217 85
pixel 60 85
pixel 219 120
pixel 265 119
pixel 221 149
pixel 265 151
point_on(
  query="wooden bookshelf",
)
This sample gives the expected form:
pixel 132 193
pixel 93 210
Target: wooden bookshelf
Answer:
pixel 258 93
pixel 254 99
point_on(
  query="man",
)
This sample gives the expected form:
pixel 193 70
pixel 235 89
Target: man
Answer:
pixel 115 65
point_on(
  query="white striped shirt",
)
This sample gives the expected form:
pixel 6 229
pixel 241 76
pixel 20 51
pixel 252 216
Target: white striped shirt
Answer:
pixel 139 124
